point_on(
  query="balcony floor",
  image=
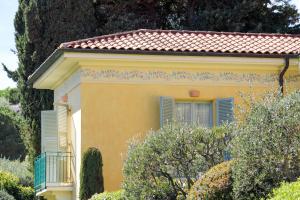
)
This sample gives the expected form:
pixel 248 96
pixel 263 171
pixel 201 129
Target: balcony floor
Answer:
pixel 56 187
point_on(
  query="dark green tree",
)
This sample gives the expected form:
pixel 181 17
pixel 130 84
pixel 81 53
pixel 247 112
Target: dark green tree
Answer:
pixel 244 16
pixel 91 178
pixel 11 144
pixel 41 25
pixel 278 16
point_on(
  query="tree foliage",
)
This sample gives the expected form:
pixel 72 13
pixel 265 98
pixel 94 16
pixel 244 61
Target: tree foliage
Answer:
pixel 11 94
pixel 216 15
pixel 170 159
pixel 91 177
pixel 266 146
pixel 11 144
pixel 41 25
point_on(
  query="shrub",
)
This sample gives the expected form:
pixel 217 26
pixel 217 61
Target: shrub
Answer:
pixel 168 161
pixel 5 196
pixel 91 174
pixel 19 169
pixel 26 193
pixel 287 191
pixel 118 195
pixel 215 184
pixel 266 146
pixel 11 184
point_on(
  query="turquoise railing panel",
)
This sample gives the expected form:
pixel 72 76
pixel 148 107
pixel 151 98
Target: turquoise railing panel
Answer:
pixel 40 172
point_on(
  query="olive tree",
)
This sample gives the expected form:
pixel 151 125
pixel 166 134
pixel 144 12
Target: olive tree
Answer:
pixel 169 160
pixel 266 146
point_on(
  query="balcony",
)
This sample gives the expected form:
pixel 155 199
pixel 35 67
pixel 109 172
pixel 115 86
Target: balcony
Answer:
pixel 53 171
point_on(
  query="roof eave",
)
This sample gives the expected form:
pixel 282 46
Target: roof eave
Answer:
pixel 59 52
pixel 179 53
pixel 45 66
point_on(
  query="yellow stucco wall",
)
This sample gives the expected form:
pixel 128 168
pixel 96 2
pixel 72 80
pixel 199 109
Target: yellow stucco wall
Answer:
pixel 114 111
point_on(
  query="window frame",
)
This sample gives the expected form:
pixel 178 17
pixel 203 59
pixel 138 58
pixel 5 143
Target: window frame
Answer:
pixel 193 103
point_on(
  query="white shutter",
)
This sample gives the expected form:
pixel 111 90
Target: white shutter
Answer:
pixel 62 114
pixel 224 109
pixel 49 134
pixel 166 110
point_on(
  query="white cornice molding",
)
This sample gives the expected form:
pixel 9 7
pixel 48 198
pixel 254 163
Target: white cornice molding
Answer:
pixel 85 57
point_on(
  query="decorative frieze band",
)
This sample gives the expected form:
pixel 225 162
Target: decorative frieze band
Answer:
pixel 113 75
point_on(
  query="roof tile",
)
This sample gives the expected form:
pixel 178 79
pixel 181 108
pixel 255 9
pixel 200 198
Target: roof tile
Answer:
pixel 192 41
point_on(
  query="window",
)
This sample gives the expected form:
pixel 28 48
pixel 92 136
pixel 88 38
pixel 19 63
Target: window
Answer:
pixel 199 113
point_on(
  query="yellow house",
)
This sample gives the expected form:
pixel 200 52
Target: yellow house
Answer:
pixel 111 88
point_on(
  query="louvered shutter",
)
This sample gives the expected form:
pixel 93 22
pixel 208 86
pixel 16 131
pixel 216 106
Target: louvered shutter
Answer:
pixel 62 114
pixel 166 110
pixel 224 108
pixel 49 134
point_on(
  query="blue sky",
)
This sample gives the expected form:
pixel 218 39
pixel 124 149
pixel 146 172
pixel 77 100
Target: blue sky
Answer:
pixel 8 9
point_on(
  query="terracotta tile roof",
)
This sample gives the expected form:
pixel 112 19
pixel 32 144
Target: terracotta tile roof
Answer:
pixel 191 41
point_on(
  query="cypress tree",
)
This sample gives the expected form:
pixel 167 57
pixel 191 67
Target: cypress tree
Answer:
pixel 41 25
pixel 91 178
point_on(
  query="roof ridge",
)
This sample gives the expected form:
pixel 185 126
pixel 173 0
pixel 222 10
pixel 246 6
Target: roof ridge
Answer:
pixel 179 31
pixel 220 32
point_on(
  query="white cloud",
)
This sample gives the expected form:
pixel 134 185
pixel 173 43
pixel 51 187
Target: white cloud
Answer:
pixel 297 3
